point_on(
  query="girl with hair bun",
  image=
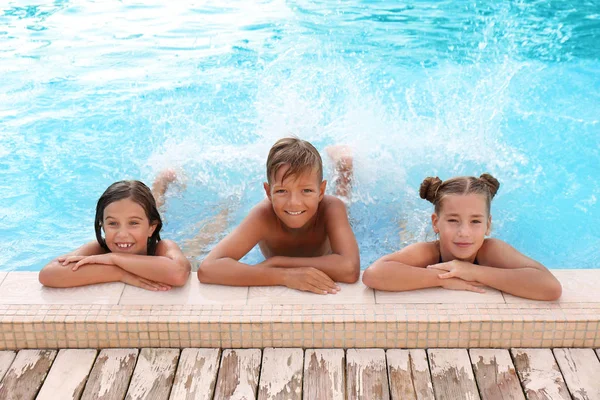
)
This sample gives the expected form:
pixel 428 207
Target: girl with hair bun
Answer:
pixel 462 258
pixel 128 247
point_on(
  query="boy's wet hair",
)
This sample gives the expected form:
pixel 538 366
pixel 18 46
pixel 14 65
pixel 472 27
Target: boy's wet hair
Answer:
pixel 299 154
pixel 137 192
pixel 434 190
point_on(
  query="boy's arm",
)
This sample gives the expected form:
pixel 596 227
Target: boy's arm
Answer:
pixel 221 265
pixel 506 269
pixel 405 270
pixel 343 265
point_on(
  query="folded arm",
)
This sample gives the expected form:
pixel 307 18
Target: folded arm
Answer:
pixel 504 268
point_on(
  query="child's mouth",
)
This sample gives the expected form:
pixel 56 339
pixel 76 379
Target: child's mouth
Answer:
pixel 294 212
pixel 124 246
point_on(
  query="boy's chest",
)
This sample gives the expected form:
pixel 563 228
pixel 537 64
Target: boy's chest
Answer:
pixel 312 244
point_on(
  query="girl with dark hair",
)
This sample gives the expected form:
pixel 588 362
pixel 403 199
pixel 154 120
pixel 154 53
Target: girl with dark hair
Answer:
pixel 462 258
pixel 128 247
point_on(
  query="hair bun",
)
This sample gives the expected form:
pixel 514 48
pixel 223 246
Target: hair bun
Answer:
pixel 491 182
pixel 429 188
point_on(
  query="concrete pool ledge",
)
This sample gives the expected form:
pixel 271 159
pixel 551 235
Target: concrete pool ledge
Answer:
pixel 198 315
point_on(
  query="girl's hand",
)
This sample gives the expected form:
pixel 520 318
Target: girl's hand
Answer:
pixel 106 259
pixel 66 260
pixel 143 283
pixel 459 284
pixel 456 269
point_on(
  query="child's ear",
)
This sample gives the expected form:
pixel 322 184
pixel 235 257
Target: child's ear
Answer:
pixel 322 188
pixel 489 226
pixel 434 222
pixel 152 228
pixel 267 188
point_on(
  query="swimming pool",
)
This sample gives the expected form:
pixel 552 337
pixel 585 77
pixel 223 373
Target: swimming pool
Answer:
pixel 91 93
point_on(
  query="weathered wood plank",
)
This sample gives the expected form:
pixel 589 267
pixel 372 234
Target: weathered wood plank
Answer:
pixel 367 375
pixel 68 374
pixel 153 374
pixel 324 374
pixel 408 373
pixel 539 374
pixel 281 374
pixel 26 374
pixel 495 374
pixel 238 375
pixel 581 370
pixel 196 374
pixel 6 358
pixel 452 374
pixel 110 375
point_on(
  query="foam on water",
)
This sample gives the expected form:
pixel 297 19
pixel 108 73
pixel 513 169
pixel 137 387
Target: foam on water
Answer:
pixel 95 92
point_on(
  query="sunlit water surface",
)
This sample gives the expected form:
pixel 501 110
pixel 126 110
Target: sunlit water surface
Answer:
pixel 94 92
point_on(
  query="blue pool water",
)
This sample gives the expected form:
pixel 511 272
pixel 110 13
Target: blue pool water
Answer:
pixel 94 92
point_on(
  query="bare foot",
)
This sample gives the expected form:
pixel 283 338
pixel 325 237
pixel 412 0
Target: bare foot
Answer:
pixel 161 183
pixel 341 156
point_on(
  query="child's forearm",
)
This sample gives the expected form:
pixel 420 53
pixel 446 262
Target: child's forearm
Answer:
pixel 59 276
pixel 395 276
pixel 227 271
pixel 527 282
pixel 156 268
pixel 337 267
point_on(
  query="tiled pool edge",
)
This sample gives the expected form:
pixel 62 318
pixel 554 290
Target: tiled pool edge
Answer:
pixel 416 325
pixel 308 326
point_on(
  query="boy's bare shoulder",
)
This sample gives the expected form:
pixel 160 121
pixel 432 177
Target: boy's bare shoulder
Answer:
pixel 332 204
pixel 262 214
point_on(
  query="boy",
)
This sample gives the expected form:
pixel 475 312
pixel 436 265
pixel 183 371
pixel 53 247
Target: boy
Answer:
pixel 304 234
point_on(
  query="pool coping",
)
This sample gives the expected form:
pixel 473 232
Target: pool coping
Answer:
pixel 361 318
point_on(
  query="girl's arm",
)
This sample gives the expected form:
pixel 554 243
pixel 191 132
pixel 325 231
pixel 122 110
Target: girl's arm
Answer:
pixel 405 270
pixel 168 266
pixel 506 269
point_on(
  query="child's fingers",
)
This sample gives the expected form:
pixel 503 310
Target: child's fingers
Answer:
pixel 446 275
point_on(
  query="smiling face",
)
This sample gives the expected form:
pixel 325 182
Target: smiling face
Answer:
pixel 296 199
pixel 126 227
pixel 462 224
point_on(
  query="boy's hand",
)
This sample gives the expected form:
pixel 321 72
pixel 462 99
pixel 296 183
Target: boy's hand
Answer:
pixel 310 280
pixel 456 269
pixel 143 283
pixel 460 284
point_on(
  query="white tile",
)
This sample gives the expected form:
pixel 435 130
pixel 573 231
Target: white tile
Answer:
pixel 24 288
pixel 439 295
pixel 2 276
pixel 354 293
pixel 193 292
pixel 579 286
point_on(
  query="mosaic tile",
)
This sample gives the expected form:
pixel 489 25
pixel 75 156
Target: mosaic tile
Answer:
pixel 193 292
pixel 579 286
pixel 24 288
pixel 356 293
pixel 439 295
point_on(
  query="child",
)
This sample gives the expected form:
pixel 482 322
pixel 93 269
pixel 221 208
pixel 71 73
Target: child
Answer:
pixel 462 258
pixel 131 251
pixel 303 233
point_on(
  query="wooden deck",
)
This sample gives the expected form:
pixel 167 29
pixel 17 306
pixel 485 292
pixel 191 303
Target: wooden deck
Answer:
pixel 294 373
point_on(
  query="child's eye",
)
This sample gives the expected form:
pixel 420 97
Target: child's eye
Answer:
pixel 112 224
pixel 134 223
pixel 308 190
pixel 452 220
pixel 280 191
pixel 476 221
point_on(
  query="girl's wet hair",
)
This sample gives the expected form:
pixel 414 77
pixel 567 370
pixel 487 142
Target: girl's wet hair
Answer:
pixel 434 190
pixel 137 192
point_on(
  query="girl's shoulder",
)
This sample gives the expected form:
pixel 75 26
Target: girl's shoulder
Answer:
pixel 166 245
